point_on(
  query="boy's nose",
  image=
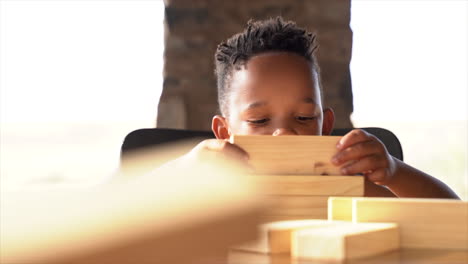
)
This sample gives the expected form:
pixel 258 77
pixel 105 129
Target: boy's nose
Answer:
pixel 283 132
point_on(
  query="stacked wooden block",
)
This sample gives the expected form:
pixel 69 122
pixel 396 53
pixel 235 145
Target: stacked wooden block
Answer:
pixel 363 227
pixel 424 223
pixel 329 225
pixel 305 197
pixel 325 240
pixel 297 175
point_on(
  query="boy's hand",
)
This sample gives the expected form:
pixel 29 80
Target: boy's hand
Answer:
pixel 213 150
pixel 361 152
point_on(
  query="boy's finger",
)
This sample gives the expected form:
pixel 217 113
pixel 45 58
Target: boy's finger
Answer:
pixel 368 163
pixel 235 152
pixel 353 137
pixel 356 151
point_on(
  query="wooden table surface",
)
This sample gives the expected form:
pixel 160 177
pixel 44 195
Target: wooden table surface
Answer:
pixel 403 256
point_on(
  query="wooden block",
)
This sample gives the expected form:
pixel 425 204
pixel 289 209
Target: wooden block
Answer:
pixel 345 241
pixel 275 237
pixel 168 217
pixel 340 208
pixel 311 207
pixel 306 155
pixel 424 223
pixel 311 185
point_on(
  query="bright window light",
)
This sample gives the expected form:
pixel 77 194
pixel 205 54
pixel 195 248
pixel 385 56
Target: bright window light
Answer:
pixel 409 73
pixel 76 77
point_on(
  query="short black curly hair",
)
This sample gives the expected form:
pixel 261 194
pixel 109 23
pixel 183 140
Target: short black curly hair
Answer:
pixel 271 35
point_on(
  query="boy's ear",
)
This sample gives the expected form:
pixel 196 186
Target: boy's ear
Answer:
pixel 220 127
pixel 328 121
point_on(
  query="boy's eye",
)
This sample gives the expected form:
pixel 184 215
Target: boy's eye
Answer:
pixel 306 118
pixel 258 121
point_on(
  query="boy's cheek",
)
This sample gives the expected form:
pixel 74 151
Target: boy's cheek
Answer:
pixel 250 130
pixel 241 127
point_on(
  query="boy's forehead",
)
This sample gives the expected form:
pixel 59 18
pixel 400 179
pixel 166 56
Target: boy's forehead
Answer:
pixel 277 58
pixel 267 72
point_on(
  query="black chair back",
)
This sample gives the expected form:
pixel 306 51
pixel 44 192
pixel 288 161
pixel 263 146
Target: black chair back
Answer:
pixel 150 137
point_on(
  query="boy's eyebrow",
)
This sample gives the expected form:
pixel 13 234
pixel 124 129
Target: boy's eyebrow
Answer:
pixel 309 100
pixel 256 104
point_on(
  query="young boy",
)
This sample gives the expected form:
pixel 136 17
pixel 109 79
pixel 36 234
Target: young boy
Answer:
pixel 269 84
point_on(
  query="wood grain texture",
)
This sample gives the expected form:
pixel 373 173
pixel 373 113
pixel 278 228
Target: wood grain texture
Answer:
pixel 424 223
pixel 311 185
pixel 299 155
pixel 345 241
pixel 311 207
pixel 151 219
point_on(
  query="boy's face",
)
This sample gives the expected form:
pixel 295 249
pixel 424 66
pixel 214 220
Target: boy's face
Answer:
pixel 274 94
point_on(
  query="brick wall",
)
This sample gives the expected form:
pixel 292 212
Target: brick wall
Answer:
pixel 195 27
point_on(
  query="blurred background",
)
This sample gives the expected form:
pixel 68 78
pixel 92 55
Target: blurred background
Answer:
pixel 77 76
